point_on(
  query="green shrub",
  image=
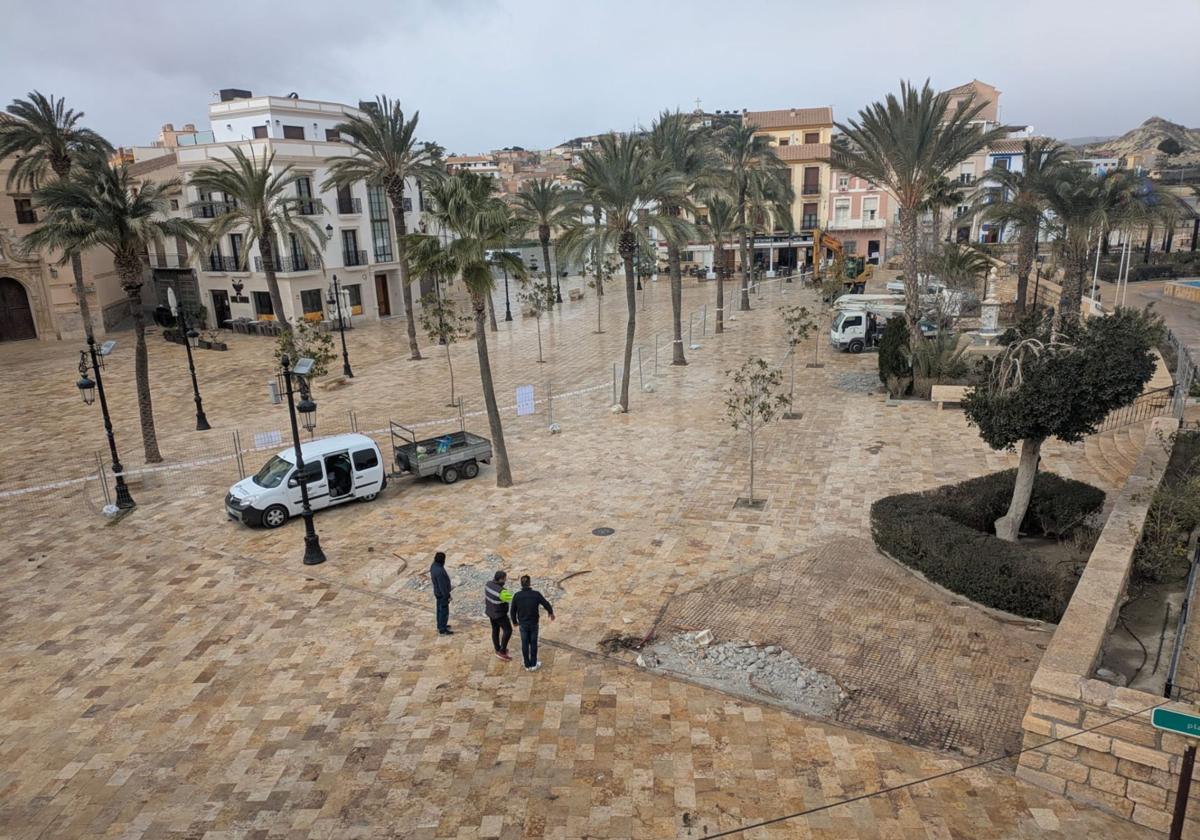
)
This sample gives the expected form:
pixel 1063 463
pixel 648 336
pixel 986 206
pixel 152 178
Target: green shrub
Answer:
pixel 1161 553
pixel 946 534
pixel 895 372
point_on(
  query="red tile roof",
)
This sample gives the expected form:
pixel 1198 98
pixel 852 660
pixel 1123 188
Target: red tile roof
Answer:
pixel 789 117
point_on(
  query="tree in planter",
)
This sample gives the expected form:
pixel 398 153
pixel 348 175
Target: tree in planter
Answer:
pixel 543 205
pixel 601 269
pixel 386 154
pixel 752 400
pixel 306 341
pixel 827 286
pixel 538 298
pixel 1063 387
pixel 798 322
pixel 101 206
pixel 444 325
pixel 266 205
pixel 895 370
pixel 42 136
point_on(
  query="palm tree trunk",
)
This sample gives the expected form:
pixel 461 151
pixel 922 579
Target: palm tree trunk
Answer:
pixel 1074 280
pixel 910 243
pixel 673 263
pixel 491 308
pixel 1149 242
pixel 544 236
pixel 630 327
pixel 396 194
pixel 1195 232
pixel 744 305
pixel 937 230
pixel 132 282
pixel 266 244
pixel 719 266
pixel 499 450
pixel 1024 263
pixel 85 311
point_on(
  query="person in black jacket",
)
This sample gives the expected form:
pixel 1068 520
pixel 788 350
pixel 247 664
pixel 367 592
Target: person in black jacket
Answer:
pixel 524 610
pixel 441 592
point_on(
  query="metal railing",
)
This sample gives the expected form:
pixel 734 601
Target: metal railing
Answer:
pixel 217 262
pixel 350 258
pixel 1185 612
pixel 309 208
pixel 349 206
pixel 808 222
pixel 1157 403
pixel 810 189
pixel 384 256
pixel 212 209
pixel 294 262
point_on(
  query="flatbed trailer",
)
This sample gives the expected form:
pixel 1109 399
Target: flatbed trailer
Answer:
pixel 449 456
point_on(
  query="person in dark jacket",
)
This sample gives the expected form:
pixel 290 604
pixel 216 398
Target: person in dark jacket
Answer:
pixel 495 605
pixel 524 610
pixel 441 592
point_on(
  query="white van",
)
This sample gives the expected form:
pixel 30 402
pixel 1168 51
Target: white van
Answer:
pixel 339 468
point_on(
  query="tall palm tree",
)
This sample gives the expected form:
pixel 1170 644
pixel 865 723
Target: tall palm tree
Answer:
pixel 386 153
pixel 687 152
pixel 100 206
pixel 1019 200
pixel 543 204
pixel 622 181
pixel 465 203
pixel 905 143
pixel 718 224
pixel 260 201
pixel 744 156
pixel 44 136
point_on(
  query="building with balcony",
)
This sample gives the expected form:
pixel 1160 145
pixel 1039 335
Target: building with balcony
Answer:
pixel 860 215
pixel 37 296
pixel 361 230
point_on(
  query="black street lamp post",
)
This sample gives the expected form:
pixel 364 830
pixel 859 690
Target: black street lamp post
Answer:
pixel 313 555
pixel 507 306
pixel 190 337
pixel 336 294
pixel 88 391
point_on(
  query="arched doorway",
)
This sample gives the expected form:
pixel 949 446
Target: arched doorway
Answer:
pixel 16 315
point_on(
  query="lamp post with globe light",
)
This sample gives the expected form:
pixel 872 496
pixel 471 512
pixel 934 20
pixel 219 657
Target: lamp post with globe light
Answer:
pixel 307 409
pixel 88 390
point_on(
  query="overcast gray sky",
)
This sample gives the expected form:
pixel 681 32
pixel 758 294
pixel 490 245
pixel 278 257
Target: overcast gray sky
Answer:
pixel 493 73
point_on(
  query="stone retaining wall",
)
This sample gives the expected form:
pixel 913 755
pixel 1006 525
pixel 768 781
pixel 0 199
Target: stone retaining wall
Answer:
pixel 1127 767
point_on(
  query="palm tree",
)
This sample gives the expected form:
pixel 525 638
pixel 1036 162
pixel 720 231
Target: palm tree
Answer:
pixel 261 202
pixel 688 153
pixel 905 143
pixel 621 180
pixel 742 154
pixel 482 223
pixel 45 136
pixel 386 154
pixel 718 224
pixel 102 207
pixel 543 204
pixel 1019 200
pixel 942 193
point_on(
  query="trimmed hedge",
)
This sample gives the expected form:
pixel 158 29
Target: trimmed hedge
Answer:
pixel 946 534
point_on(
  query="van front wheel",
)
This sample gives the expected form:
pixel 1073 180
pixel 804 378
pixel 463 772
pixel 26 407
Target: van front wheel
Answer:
pixel 856 346
pixel 274 516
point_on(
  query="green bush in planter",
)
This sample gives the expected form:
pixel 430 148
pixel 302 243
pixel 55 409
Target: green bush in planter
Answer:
pixel 895 372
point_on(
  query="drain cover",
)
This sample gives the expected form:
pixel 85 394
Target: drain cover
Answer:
pixel 603 532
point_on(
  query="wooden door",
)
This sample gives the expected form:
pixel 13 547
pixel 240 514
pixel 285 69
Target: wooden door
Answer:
pixel 381 295
pixel 16 316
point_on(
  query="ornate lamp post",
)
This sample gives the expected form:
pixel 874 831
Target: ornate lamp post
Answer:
pixel 191 337
pixel 313 555
pixel 88 390
pixel 335 299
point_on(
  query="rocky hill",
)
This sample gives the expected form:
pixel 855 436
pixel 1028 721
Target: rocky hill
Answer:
pixel 1146 137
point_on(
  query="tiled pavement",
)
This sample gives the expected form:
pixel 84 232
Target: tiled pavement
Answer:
pixel 174 675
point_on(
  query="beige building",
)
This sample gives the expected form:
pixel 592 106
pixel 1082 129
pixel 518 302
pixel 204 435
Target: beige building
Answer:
pixel 37 296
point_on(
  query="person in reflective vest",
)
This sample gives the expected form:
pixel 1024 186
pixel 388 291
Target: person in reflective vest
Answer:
pixel 495 604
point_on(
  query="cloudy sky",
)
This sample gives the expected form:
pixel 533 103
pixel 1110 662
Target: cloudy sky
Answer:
pixel 492 73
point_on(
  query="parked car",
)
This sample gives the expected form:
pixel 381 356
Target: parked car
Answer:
pixel 339 469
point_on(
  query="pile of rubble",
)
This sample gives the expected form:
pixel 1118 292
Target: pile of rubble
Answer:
pixel 747 668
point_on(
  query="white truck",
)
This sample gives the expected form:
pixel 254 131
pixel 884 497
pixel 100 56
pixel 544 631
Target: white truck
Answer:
pixel 859 325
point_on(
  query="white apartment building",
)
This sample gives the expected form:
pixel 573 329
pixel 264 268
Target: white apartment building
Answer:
pixel 361 232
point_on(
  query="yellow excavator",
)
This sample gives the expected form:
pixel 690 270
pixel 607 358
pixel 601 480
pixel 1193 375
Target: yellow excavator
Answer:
pixel 855 270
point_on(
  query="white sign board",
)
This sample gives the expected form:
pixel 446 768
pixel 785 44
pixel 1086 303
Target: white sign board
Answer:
pixel 264 439
pixel 524 400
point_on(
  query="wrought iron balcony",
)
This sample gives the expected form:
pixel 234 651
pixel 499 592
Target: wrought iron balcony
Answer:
pixel 212 209
pixel 349 206
pixel 289 263
pixel 350 258
pixel 966 178
pixel 384 256
pixel 309 208
pixel 810 189
pixel 217 262
pixel 808 223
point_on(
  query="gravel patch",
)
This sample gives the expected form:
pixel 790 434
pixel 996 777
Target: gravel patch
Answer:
pixel 469 580
pixel 747 669
pixel 857 382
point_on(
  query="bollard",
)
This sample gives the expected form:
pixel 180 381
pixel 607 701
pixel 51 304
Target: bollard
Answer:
pixel 656 354
pixel 704 322
pixel 641 380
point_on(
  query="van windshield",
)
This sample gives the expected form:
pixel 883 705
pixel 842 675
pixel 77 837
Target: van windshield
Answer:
pixel 837 322
pixel 272 472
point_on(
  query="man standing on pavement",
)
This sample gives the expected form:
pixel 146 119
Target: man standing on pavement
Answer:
pixel 441 592
pixel 524 611
pixel 495 603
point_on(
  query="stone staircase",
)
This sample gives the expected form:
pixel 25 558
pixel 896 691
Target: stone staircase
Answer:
pixel 1113 454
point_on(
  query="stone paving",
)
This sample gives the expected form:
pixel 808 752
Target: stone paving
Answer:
pixel 177 675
